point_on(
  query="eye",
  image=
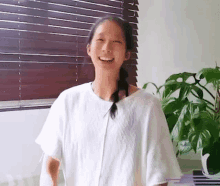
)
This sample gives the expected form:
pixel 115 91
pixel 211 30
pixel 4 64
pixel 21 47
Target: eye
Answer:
pixel 100 39
pixel 117 41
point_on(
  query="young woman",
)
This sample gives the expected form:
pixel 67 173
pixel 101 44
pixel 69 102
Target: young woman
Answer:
pixel 96 145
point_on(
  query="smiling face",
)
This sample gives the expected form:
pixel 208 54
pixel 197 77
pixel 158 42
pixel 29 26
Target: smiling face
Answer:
pixel 108 47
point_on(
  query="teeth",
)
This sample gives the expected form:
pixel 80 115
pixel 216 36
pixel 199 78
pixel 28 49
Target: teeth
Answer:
pixel 106 59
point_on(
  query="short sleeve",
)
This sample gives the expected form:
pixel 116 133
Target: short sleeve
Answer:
pixel 162 165
pixel 50 137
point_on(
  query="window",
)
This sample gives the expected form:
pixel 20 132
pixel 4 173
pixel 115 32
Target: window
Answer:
pixel 43 49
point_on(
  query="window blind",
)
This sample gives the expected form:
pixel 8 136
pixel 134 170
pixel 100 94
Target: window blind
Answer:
pixel 43 47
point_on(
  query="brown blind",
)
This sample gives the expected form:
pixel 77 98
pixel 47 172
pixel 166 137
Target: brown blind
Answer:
pixel 43 49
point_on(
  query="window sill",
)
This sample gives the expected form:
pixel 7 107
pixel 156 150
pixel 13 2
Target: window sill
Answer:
pixel 26 104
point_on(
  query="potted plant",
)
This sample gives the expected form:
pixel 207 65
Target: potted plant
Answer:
pixel 193 121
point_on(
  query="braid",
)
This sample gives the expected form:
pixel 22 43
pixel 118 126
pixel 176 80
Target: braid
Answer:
pixel 127 30
pixel 122 85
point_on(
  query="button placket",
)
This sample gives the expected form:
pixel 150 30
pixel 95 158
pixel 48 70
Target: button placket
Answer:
pixel 100 174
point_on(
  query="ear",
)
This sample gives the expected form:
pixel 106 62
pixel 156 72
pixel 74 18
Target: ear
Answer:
pixel 88 49
pixel 127 55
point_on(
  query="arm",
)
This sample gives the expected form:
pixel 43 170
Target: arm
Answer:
pixel 53 169
pixel 49 172
pixel 163 184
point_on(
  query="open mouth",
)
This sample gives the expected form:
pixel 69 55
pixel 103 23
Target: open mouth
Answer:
pixel 106 60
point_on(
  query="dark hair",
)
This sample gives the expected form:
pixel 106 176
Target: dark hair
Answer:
pixel 127 30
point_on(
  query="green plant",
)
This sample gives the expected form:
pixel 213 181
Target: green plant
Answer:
pixel 193 124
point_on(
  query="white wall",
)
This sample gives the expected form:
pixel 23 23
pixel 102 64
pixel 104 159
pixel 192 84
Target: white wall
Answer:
pixel 174 36
pixel 177 36
pixel 19 154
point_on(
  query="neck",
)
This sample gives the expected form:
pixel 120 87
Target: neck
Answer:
pixel 105 85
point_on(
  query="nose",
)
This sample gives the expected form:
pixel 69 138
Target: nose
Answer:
pixel 107 47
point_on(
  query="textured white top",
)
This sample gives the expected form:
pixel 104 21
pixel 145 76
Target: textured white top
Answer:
pixel 133 149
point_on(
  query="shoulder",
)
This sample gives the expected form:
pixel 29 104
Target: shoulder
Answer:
pixel 70 95
pixel 74 91
pixel 146 95
pixel 133 89
pixel 146 101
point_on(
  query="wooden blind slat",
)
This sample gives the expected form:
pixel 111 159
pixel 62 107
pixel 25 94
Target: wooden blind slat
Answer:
pixel 66 11
pixel 65 18
pixel 9 44
pixel 46 80
pixel 46 25
pixel 41 21
pixel 54 59
pixel 42 28
pixel 32 59
pixel 66 2
pixel 57 60
pixel 48 67
pixel 8 57
pixel 89 2
pixel 9 78
pixel 9 25
pixel 45 92
pixel 64 6
pixel 16 33
pixel 10 92
pixel 8 66
pixel 9 81
pixel 129 13
pixel 44 13
pixel 133 7
pixel 132 19
pixel 28 93
pixel 41 80
pixel 43 45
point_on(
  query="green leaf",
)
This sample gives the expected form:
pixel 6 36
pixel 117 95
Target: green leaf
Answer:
pixel 210 124
pixel 184 76
pixel 171 84
pixel 146 84
pixel 209 148
pixel 167 100
pixel 185 131
pixel 216 84
pixel 204 139
pixel 169 88
pixel 172 106
pixel 204 128
pixel 193 109
pixel 197 122
pixel 193 139
pixel 198 91
pixel 178 129
pixel 166 93
pixel 184 91
pixel 200 104
pixel 184 147
pixel 171 120
pixel 210 74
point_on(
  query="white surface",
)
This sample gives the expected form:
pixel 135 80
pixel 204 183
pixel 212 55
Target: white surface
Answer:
pixel 18 130
pixel 174 36
pixel 106 151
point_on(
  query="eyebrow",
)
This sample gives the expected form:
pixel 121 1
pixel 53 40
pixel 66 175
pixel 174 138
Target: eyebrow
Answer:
pixel 101 34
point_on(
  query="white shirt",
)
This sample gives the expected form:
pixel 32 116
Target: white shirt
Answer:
pixel 133 149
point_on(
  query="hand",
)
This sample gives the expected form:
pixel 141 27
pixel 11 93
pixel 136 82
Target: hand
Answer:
pixel 163 184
